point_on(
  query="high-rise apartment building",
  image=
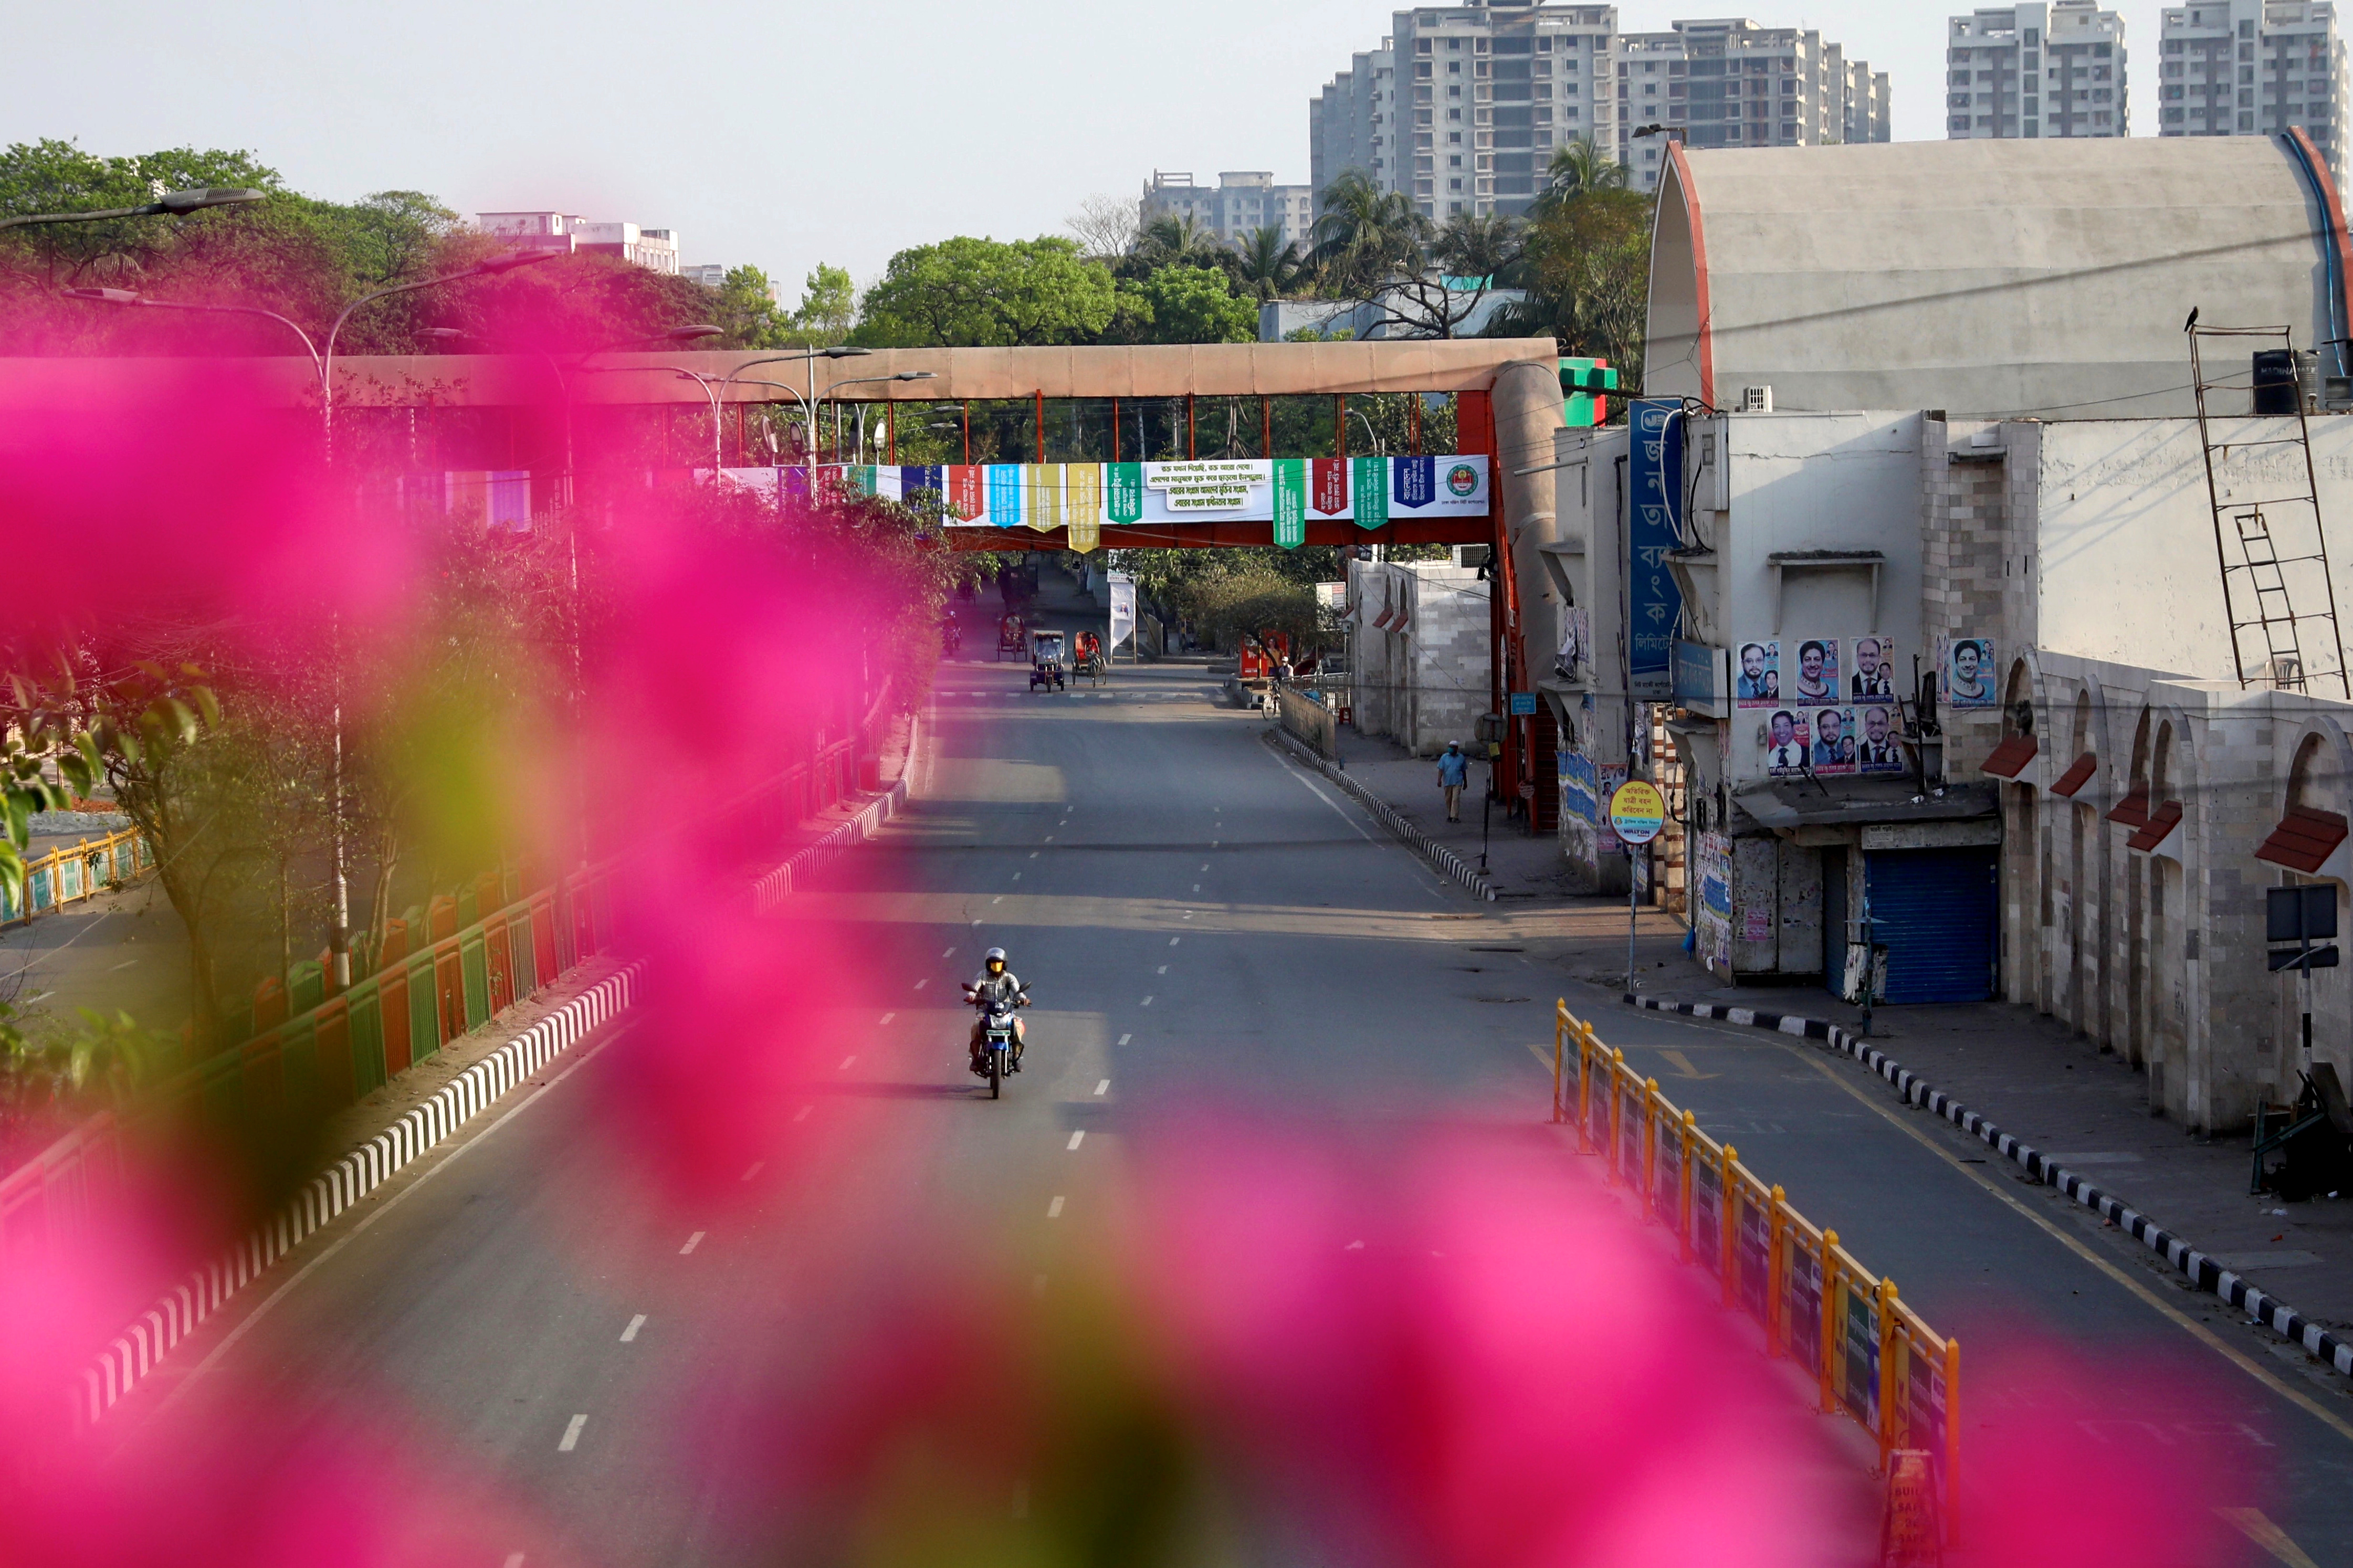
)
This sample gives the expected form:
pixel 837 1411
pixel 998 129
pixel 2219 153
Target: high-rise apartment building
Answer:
pixel 2040 70
pixel 1463 106
pixel 1239 203
pixel 2253 67
pixel 1733 83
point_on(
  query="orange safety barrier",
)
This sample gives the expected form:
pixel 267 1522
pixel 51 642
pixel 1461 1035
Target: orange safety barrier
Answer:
pixel 1871 1356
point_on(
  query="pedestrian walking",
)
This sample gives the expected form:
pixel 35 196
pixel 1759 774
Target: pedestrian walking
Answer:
pixel 1453 773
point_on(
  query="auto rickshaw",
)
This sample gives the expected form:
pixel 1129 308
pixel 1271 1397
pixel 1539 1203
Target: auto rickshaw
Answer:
pixel 1011 637
pixel 1046 656
pixel 1087 651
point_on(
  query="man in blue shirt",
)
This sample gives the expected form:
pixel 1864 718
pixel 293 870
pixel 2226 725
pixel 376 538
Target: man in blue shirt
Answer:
pixel 1453 773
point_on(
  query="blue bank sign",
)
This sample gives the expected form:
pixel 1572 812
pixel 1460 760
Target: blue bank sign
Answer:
pixel 1653 507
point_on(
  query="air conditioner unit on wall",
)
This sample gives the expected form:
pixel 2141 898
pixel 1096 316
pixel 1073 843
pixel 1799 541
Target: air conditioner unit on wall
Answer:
pixel 1757 400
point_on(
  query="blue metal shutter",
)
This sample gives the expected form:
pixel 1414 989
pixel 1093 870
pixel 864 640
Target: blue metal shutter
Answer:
pixel 1934 910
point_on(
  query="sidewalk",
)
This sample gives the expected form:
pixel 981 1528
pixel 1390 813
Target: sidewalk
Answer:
pixel 1521 865
pixel 2089 1111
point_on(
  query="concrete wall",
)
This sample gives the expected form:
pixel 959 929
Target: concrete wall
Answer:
pixel 2159 955
pixel 1425 684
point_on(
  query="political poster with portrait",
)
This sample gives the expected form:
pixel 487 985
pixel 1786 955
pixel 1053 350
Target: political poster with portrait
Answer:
pixel 1832 750
pixel 1815 677
pixel 1759 684
pixel 1878 748
pixel 1873 675
pixel 1969 673
pixel 1788 742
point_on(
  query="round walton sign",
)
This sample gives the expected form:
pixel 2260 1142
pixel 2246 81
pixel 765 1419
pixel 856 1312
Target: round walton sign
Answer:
pixel 1637 812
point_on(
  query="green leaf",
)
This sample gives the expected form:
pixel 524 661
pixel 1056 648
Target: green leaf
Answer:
pixel 206 704
pixel 179 719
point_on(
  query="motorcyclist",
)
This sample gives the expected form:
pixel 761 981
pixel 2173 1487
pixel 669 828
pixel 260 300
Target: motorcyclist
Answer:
pixel 995 982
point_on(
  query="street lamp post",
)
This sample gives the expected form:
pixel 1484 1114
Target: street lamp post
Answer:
pixel 175 204
pixel 126 296
pixel 488 267
pixel 866 381
pixel 808 358
pixel 675 335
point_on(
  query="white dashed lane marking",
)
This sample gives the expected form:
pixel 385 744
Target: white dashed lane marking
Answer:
pixel 631 1331
pixel 1078 1138
pixel 1123 1040
pixel 692 1243
pixel 1054 1209
pixel 572 1435
pixel 1102 1089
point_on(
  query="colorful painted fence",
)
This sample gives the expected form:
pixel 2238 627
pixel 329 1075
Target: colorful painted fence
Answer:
pixel 1871 1356
pixel 68 874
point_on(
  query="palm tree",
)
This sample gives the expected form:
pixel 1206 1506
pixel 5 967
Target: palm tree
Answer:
pixel 1366 235
pixel 1177 241
pixel 1578 168
pixel 1266 264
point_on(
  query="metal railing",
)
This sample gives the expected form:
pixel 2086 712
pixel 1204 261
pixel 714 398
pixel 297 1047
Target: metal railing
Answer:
pixel 332 1053
pixel 68 874
pixel 1870 1356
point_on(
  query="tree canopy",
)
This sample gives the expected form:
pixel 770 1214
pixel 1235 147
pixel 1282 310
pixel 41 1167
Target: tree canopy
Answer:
pixel 987 293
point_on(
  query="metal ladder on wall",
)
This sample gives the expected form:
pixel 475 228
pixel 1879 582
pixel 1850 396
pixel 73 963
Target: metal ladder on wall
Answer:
pixel 2277 591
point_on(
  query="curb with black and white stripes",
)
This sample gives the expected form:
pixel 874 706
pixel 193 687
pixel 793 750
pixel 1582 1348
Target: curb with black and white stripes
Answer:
pixel 2200 1270
pixel 141 1347
pixel 772 889
pixel 1440 860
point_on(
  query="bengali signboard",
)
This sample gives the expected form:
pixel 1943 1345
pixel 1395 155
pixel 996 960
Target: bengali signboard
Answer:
pixel 1653 509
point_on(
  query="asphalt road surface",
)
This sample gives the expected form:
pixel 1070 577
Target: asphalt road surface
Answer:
pixel 523 1311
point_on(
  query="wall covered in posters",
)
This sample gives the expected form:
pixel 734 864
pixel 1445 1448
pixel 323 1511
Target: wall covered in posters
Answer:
pixel 1083 497
pixel 1821 705
pixel 1712 910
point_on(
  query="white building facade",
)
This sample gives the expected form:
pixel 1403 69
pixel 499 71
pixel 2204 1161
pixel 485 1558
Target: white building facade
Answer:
pixel 1462 107
pixel 2036 70
pixel 1240 202
pixel 2253 68
pixel 655 250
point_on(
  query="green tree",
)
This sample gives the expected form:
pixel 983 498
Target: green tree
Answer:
pixel 1190 305
pixel 746 304
pixel 986 293
pixel 828 311
pixel 1587 272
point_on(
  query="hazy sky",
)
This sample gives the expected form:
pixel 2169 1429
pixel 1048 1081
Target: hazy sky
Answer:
pixel 780 133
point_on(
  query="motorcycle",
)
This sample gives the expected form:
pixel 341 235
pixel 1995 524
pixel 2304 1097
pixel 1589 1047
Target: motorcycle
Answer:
pixel 996 1051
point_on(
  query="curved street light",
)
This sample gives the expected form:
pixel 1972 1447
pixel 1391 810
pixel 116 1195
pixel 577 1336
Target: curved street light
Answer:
pixel 174 203
pixel 488 267
pixel 688 334
pixel 866 380
pixel 808 358
pixel 126 296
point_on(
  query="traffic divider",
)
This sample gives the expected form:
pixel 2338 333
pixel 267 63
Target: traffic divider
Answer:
pixel 1869 1355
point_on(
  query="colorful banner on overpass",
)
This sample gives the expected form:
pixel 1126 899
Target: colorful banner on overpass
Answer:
pixel 1083 497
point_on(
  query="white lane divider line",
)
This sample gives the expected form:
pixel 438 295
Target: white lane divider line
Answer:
pixel 976 926
pixel 845 1064
pixel 949 954
pixel 1205 865
pixel 1145 1002
pixel 571 1434
pixel 630 1332
pixel 920 983
pixel 1174 940
pixel 1196 887
pixel 692 1243
pixel 999 900
pixel 802 1114
pixel 1123 1040
pixel 1033 854
pixel 1049 838
pixel 1016 875
pixel 514 1560
pixel 887 1016
pixel 1213 843
pixel 1102 1089
pixel 1054 1209
pixel 756 1167
pixel 1078 1138
pixel 1164 969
